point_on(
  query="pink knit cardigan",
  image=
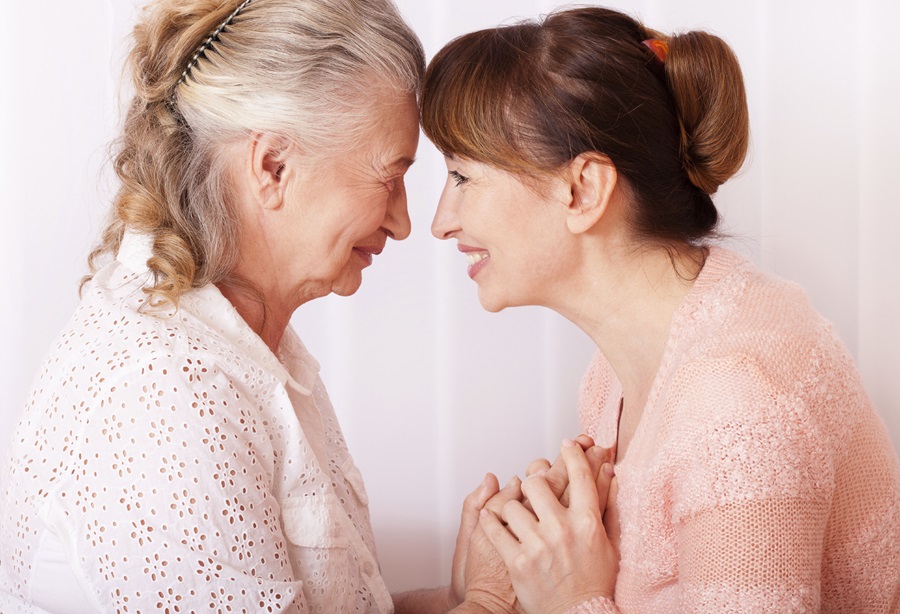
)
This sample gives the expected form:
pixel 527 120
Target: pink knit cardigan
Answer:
pixel 760 479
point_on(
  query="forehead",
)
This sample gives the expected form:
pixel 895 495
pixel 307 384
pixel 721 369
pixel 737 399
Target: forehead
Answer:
pixel 393 135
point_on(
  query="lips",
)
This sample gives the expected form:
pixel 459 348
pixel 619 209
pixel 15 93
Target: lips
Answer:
pixel 366 253
pixel 478 259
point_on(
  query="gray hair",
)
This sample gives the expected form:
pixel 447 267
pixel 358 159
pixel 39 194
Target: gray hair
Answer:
pixel 305 69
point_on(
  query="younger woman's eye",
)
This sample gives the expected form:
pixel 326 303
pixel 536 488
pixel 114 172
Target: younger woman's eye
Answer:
pixel 459 179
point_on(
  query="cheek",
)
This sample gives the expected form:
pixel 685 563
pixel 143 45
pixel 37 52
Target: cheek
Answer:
pixel 368 214
pixel 355 218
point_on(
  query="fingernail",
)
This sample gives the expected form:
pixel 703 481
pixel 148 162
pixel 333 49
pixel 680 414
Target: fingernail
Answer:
pixel 568 443
pixel 515 480
pixel 484 481
pixel 609 470
pixel 596 451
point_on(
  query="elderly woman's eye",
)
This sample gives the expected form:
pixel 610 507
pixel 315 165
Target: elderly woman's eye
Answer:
pixel 459 179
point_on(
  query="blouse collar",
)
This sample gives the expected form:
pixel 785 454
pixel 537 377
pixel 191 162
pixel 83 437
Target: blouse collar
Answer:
pixel 207 304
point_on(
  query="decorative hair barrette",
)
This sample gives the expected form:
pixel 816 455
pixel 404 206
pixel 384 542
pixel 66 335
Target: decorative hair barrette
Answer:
pixel 201 50
pixel 660 48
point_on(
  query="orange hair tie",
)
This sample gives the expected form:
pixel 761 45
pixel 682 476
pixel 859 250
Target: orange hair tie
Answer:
pixel 660 48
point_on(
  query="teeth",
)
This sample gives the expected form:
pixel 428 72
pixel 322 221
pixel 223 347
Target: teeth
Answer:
pixel 476 257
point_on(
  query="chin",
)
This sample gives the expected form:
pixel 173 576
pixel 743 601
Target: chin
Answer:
pixel 345 291
pixel 491 304
pixel 347 285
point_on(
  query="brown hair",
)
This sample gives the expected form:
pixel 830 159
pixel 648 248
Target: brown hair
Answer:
pixel 528 98
pixel 303 69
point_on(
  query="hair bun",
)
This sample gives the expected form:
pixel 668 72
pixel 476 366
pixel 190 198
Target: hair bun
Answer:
pixel 705 79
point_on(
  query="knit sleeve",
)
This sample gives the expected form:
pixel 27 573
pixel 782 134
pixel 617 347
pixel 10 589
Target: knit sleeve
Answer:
pixel 752 493
pixel 170 500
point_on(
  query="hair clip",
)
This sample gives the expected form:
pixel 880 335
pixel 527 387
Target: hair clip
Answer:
pixel 660 48
pixel 201 50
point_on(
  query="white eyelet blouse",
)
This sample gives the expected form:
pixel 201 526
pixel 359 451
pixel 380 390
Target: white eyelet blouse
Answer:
pixel 170 462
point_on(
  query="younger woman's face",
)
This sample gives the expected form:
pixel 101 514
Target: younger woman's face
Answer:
pixel 515 239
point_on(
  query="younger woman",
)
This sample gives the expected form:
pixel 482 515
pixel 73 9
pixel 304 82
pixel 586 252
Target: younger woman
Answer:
pixel 753 474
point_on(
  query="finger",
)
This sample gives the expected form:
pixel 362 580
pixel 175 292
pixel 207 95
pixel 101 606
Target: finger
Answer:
pixel 604 482
pixel 585 441
pixel 473 503
pixel 520 521
pixel 540 464
pixel 468 522
pixel 596 456
pixel 512 491
pixel 611 517
pixel 503 541
pixel 557 478
pixel 583 485
pixel 543 500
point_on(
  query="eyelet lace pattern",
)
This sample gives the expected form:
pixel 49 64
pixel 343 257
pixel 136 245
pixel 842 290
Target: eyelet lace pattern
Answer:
pixel 189 467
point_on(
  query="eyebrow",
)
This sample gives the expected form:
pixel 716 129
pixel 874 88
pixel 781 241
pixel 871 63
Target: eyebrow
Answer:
pixel 401 163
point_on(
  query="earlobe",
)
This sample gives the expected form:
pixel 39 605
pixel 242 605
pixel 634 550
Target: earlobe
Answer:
pixel 268 169
pixel 593 180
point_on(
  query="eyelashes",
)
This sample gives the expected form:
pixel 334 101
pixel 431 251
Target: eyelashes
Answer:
pixel 457 178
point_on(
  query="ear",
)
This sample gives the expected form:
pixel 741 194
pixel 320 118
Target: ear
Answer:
pixel 592 180
pixel 268 168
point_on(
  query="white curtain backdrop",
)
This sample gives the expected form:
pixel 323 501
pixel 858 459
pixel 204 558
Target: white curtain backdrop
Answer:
pixel 432 391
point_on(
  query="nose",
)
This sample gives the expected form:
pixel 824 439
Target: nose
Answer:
pixel 445 221
pixel 396 219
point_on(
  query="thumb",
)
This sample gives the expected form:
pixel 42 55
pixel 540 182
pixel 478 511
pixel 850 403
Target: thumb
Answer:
pixel 468 522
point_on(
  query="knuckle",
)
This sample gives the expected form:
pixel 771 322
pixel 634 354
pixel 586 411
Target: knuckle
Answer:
pixel 508 507
pixel 495 505
pixel 557 484
pixel 471 505
pixel 582 473
pixel 536 465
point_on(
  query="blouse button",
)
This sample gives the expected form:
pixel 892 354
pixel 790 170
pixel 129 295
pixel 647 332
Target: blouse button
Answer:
pixel 368 568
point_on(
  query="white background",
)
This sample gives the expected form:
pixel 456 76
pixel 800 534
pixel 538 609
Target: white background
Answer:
pixel 433 392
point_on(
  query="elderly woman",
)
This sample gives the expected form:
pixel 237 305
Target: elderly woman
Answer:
pixel 178 452
pixel 752 473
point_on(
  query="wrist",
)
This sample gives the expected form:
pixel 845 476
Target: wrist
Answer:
pixel 598 604
pixel 581 604
pixel 485 601
pixel 451 599
pixel 471 607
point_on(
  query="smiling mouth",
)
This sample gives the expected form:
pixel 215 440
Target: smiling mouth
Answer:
pixel 477 261
pixel 366 254
pixel 476 257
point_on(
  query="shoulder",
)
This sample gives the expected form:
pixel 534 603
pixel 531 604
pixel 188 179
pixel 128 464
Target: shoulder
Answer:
pixel 747 327
pixel 116 334
pixel 117 364
pixel 734 297
pixel 760 394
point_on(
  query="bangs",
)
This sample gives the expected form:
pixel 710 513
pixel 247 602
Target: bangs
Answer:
pixel 474 97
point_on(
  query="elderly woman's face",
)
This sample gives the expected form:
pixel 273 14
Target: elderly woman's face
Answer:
pixel 343 211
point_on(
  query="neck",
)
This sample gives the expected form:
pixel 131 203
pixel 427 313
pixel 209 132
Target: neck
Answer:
pixel 266 318
pixel 259 289
pixel 625 302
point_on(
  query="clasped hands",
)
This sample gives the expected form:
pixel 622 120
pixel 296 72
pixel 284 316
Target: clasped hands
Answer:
pixel 539 545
